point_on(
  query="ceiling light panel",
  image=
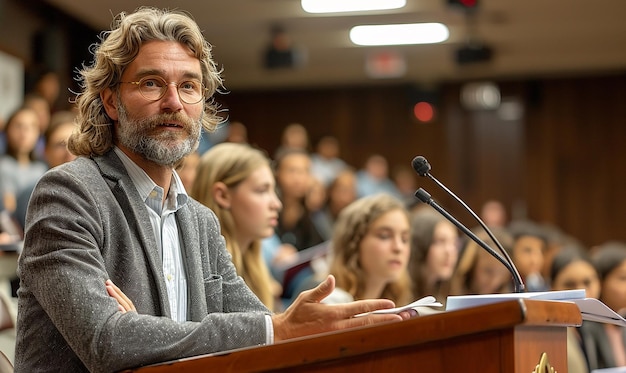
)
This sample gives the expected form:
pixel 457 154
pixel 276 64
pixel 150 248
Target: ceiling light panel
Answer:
pixel 337 6
pixel 400 34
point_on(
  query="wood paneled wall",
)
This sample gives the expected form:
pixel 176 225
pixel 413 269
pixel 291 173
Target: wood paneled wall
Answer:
pixel 575 156
pixel 561 162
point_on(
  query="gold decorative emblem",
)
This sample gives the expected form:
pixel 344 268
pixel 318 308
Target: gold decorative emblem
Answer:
pixel 544 365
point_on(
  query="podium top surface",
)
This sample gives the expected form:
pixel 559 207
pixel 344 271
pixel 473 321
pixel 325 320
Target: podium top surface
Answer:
pixel 517 313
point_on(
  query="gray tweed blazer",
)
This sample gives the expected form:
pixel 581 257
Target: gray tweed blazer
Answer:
pixel 86 223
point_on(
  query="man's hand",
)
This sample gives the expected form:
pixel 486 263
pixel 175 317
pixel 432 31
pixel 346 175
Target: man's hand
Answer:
pixel 308 316
pixel 124 304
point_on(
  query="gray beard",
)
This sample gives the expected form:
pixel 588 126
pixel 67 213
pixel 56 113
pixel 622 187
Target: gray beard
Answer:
pixel 164 149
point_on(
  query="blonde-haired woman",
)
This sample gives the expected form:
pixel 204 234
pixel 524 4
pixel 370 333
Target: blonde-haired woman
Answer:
pixel 236 182
pixel 370 251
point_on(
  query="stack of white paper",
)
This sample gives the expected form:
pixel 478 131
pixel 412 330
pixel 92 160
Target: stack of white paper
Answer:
pixel 591 309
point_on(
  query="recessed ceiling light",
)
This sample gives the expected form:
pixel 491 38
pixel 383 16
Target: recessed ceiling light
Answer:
pixel 400 34
pixel 336 6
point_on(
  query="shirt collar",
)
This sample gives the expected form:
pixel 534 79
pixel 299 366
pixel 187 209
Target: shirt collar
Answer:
pixel 145 185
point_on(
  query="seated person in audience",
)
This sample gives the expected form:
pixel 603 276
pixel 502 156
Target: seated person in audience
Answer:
pixel 605 344
pixel 292 168
pixel 19 167
pixel 315 202
pixel 237 132
pixel 236 182
pixel 316 197
pixel 62 124
pixel 278 255
pixel 10 232
pixel 434 253
pixel 294 137
pixel 325 161
pixel 572 269
pixel 41 106
pixel 3 138
pixel 374 177
pixel 370 251
pixel 529 247
pixel 120 268
pixel 340 193
pixel 46 83
pixel 405 180
pixel 493 213
pixel 478 272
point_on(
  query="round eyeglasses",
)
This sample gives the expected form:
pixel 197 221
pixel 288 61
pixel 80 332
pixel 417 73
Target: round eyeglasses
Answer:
pixel 153 88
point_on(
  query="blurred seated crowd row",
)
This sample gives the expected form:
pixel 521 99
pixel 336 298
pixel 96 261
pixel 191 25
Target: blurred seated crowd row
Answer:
pixel 293 217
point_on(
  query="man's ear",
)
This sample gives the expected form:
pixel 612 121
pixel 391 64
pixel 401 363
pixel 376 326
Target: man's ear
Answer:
pixel 109 100
pixel 221 194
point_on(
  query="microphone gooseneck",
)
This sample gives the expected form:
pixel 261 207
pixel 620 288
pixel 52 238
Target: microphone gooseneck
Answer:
pixel 425 197
pixel 422 167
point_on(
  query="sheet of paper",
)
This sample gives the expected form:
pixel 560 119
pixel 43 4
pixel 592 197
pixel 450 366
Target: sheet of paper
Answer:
pixel 464 301
pixel 428 301
pixel 592 309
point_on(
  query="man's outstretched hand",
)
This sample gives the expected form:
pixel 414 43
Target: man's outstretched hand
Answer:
pixel 308 316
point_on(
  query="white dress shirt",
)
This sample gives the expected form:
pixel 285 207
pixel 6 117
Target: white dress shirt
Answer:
pixel 165 230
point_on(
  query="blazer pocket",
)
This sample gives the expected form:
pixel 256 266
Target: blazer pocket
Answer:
pixel 213 291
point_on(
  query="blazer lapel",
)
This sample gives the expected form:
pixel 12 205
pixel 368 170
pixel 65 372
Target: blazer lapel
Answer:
pixel 134 208
pixel 187 226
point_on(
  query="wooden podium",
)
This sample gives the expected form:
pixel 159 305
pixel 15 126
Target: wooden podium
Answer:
pixel 512 336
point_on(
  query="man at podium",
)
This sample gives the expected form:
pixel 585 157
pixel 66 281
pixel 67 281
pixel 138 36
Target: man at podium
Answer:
pixel 119 212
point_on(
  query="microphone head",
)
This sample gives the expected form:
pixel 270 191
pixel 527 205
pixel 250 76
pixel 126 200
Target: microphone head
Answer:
pixel 421 165
pixel 423 196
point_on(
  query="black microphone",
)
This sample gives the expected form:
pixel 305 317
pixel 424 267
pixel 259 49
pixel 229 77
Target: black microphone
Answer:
pixel 422 167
